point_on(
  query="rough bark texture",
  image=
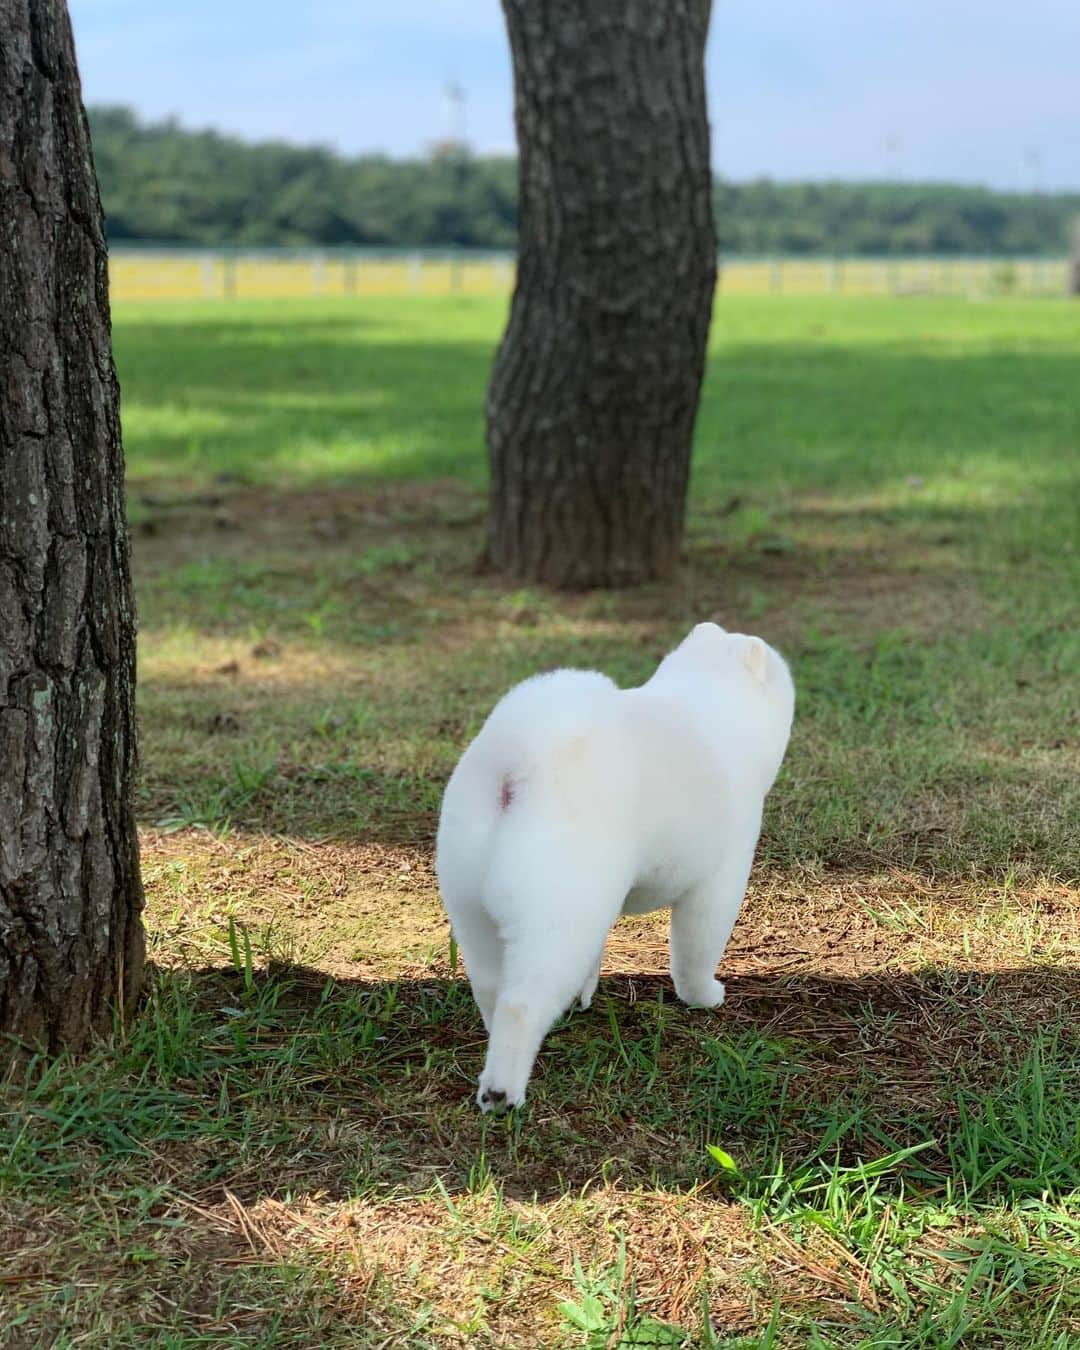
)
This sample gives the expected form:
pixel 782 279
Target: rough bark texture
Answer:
pixel 595 389
pixel 71 944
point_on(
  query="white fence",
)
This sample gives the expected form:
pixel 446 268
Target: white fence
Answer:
pixel 159 274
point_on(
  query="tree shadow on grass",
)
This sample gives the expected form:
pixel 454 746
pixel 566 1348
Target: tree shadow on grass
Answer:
pixel 290 1080
pixel 274 1152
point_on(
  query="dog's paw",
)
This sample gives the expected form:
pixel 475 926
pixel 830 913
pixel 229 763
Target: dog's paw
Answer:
pixel 496 1100
pixel 710 995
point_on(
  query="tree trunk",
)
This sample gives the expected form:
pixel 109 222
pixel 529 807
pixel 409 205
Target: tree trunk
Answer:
pixel 71 943
pixel 592 402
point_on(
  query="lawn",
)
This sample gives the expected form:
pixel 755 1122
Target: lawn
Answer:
pixel 875 1142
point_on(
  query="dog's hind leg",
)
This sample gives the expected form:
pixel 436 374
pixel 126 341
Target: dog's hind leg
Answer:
pixel 478 940
pixel 545 966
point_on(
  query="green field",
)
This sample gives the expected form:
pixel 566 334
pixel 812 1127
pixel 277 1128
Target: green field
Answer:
pixel 283 1150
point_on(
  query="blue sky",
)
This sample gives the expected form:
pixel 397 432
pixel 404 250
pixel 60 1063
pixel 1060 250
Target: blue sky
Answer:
pixel 975 92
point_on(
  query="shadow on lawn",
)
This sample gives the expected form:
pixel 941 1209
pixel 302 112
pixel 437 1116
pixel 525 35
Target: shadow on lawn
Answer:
pixel 359 1087
pixel 792 413
pixel 267 1141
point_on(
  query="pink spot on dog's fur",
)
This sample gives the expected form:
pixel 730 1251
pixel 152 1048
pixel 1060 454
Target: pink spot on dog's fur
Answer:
pixel 506 794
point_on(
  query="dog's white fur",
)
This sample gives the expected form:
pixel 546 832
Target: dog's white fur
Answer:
pixel 579 801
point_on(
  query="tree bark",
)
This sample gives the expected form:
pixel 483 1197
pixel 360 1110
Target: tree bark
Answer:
pixel 591 408
pixel 71 942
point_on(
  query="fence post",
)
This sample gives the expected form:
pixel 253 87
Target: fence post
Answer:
pixel 318 273
pixel 776 275
pixel 1074 262
pixel 349 276
pixel 208 274
pixel 414 273
pixel 228 276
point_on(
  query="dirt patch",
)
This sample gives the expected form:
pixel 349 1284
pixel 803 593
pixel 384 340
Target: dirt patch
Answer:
pixel 354 909
pixel 860 574
pixel 322 513
pixel 347 908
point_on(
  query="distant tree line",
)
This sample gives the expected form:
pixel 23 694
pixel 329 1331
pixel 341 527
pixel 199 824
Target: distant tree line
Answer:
pixel 164 183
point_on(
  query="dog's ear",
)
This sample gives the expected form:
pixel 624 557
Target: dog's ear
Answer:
pixel 755 657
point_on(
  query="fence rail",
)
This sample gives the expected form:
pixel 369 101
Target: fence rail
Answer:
pixel 163 274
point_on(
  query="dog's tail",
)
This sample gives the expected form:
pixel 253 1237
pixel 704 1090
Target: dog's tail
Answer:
pixel 546 777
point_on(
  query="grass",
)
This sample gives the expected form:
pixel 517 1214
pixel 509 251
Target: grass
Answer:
pixel 875 1143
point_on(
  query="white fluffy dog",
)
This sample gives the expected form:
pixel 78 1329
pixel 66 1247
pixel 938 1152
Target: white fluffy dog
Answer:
pixel 578 802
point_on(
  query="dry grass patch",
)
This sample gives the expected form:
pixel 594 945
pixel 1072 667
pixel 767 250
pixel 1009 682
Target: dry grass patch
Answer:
pixel 357 909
